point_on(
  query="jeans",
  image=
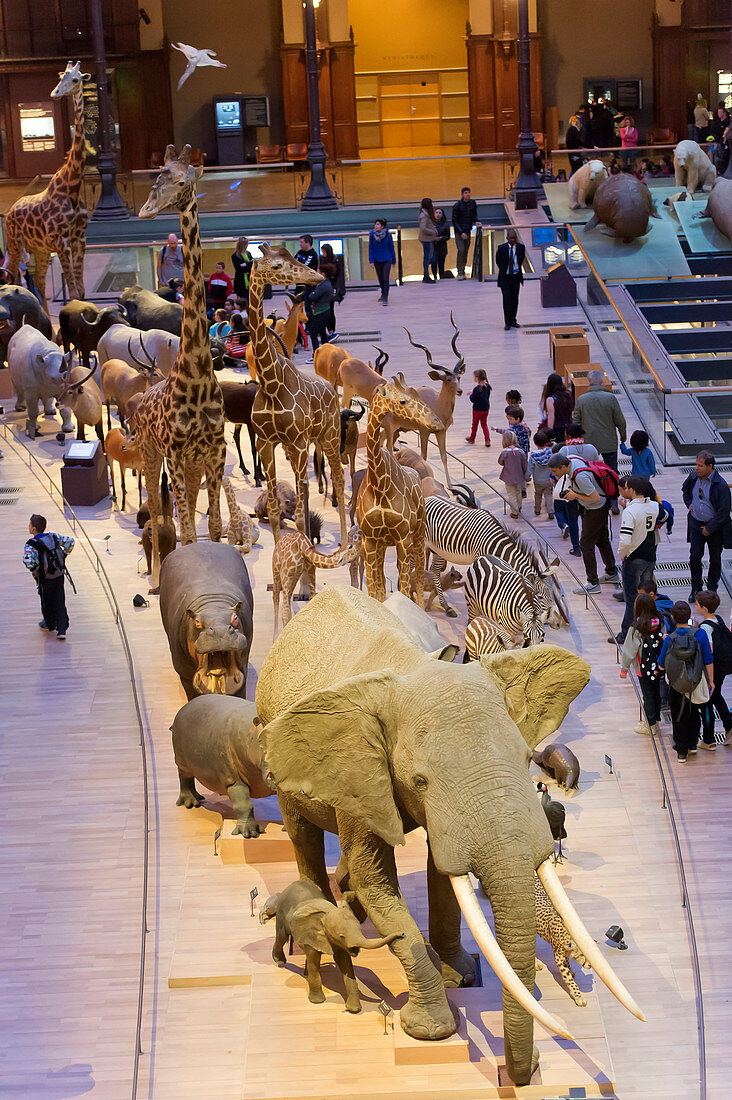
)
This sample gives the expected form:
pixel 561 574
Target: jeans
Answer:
pixel 383 267
pixel 510 291
pixel 636 572
pixel 719 703
pixel 595 535
pixel 651 692
pixel 696 552
pixel 629 156
pixel 317 326
pixel 685 721
pixel 566 513
pixel 463 248
pixel 428 257
pixel 480 417
pixel 53 604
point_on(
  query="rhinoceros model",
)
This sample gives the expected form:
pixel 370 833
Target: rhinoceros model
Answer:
pixel 39 370
pixel 624 204
pixel 215 741
pixel 17 303
pixel 206 605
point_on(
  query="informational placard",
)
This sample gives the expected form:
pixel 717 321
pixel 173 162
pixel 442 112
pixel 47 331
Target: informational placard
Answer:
pixel 256 110
pixel 37 127
pixel 629 95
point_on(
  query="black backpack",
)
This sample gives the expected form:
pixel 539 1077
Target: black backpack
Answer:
pixel 648 656
pixel 722 648
pixel 51 559
pixel 684 663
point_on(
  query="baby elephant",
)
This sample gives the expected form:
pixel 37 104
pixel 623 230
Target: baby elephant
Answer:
pixel 320 927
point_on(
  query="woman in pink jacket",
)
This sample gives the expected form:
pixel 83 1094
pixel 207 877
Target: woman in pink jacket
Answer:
pixel 628 142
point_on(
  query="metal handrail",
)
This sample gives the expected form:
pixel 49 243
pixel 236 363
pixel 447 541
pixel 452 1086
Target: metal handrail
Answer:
pixel 666 803
pixel 63 506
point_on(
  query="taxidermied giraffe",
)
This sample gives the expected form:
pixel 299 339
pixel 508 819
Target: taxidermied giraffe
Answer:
pixel 295 556
pixel 182 418
pixel 55 220
pixel 390 504
pixel 290 407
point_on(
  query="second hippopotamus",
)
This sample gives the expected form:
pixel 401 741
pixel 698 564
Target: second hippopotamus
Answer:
pixel 625 205
pixel 215 742
pixel 206 604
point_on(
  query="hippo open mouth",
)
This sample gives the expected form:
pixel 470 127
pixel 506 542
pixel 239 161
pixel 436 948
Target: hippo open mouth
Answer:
pixel 218 673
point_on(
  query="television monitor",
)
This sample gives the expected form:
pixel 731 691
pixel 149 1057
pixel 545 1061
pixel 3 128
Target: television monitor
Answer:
pixel 542 234
pixel 228 114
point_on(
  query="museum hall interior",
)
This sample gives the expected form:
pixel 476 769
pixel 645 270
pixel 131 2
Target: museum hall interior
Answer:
pixel 376 636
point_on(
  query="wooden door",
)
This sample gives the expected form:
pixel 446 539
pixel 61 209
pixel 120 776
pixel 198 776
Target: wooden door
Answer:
pixel 409 105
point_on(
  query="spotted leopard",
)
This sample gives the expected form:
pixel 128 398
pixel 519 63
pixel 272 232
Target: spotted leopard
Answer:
pixel 550 927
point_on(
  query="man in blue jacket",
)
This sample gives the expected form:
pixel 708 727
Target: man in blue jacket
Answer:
pixel 707 497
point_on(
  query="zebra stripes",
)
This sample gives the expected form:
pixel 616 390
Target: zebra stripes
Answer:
pixel 484 637
pixel 495 591
pixel 458 534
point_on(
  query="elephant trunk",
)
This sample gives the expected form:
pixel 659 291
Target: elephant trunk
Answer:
pixel 512 898
pixel 372 945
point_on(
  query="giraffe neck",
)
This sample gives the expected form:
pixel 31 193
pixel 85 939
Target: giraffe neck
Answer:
pixel 375 454
pixel 194 357
pixel 67 180
pixel 268 372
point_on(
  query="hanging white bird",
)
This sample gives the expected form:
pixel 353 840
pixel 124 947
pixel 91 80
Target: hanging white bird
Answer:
pixel 196 59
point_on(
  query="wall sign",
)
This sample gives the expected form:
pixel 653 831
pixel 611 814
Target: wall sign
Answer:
pixel 37 127
pixel 629 95
pixel 256 110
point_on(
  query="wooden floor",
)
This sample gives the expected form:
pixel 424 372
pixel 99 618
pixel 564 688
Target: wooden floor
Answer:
pixel 72 818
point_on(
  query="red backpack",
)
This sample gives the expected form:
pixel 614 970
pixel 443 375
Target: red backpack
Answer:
pixel 605 476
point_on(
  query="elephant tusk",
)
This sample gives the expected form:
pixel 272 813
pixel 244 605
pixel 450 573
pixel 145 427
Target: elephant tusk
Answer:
pixel 488 944
pixel 558 897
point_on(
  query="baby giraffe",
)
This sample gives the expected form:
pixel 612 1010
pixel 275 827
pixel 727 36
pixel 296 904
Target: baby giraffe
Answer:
pixel 295 556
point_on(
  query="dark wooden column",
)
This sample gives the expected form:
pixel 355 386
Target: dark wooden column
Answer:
pixel 337 85
pixel 493 88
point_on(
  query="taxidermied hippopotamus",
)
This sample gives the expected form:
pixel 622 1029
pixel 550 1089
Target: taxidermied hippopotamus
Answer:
pixel 206 605
pixel 560 762
pixel 719 206
pixel 216 742
pixel 624 204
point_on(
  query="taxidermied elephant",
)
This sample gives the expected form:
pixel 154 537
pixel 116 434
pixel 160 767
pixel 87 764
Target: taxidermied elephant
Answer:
pixel 321 928
pixel 692 167
pixel 366 735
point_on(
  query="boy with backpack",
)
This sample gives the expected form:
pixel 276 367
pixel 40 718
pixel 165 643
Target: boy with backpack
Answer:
pixel 686 658
pixel 720 640
pixel 642 646
pixel 593 485
pixel 44 555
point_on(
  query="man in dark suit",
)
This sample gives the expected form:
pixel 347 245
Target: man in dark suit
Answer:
pixel 509 261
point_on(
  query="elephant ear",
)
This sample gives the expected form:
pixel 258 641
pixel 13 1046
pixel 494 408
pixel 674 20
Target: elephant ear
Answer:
pixel 308 919
pixel 539 684
pixel 332 747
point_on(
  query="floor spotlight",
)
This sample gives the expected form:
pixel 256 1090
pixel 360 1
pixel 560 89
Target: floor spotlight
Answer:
pixel 615 933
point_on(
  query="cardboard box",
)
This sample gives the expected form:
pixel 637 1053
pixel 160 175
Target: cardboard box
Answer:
pixel 570 349
pixel 579 382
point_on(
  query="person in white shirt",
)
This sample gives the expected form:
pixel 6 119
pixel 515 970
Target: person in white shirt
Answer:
pixel 637 544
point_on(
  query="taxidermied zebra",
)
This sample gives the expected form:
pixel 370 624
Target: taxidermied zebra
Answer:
pixel 495 591
pixel 458 534
pixel 482 636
